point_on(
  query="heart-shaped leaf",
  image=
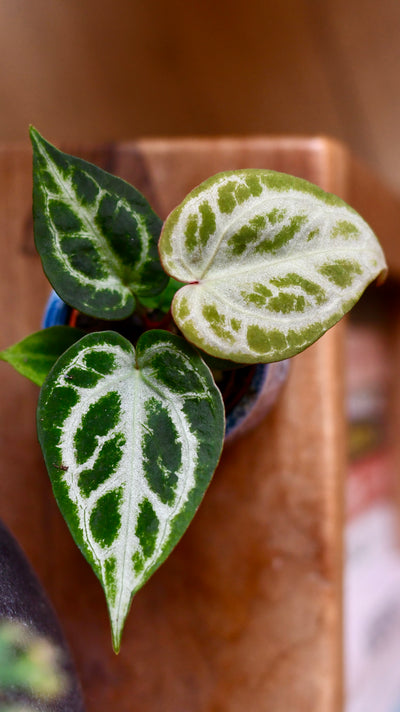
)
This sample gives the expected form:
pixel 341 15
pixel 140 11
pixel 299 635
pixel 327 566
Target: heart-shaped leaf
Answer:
pixel 131 442
pixel 96 235
pixel 35 355
pixel 271 263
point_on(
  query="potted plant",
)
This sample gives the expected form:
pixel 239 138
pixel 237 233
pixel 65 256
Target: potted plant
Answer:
pixel 256 266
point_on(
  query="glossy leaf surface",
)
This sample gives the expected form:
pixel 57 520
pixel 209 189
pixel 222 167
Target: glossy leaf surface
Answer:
pixel 131 441
pixel 34 356
pixel 270 261
pixel 96 235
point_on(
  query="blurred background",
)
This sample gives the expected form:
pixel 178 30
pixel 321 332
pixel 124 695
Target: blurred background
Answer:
pixel 85 71
pixel 90 70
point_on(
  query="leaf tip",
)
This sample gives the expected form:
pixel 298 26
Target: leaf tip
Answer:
pixel 381 278
pixel 116 634
pixel 34 134
pixel 37 140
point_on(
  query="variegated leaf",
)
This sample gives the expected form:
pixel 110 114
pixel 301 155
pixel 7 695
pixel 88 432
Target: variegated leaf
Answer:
pixel 96 235
pixel 131 442
pixel 270 261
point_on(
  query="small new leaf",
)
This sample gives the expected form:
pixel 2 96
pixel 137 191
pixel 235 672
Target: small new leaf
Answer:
pixel 270 263
pixel 162 301
pixel 34 356
pixel 96 235
pixel 131 441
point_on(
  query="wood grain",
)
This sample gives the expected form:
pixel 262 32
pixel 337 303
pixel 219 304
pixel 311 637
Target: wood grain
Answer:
pixel 246 612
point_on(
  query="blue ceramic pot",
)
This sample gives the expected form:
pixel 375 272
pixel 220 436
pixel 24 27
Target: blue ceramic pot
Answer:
pixel 257 401
pixel 261 392
pixel 56 313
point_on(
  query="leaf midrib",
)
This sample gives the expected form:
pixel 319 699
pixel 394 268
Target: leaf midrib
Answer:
pixel 162 538
pixel 137 403
pixel 266 265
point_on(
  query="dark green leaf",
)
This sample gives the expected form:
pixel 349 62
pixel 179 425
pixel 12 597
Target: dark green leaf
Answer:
pixel 96 235
pixel 131 441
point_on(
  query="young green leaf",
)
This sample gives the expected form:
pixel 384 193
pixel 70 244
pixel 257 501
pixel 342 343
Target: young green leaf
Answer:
pixel 270 261
pixel 131 442
pixel 162 301
pixel 96 235
pixel 37 354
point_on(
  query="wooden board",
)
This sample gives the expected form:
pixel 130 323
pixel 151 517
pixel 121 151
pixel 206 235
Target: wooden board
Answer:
pixel 246 613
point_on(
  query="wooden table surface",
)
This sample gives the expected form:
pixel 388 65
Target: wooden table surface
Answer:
pixel 246 614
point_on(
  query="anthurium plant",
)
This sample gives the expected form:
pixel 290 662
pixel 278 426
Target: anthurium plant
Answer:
pixel 253 266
